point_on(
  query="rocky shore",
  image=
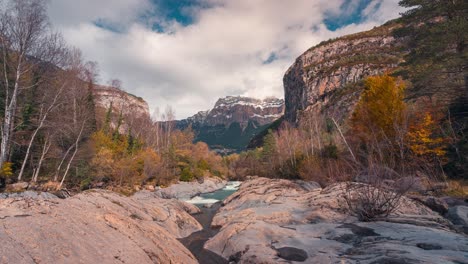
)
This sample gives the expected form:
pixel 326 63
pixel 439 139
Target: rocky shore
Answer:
pixel 265 221
pixel 95 226
pixel 187 190
pixel 279 221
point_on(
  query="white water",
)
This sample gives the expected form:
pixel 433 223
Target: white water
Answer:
pixel 214 197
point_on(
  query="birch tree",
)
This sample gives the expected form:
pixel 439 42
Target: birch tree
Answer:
pixel 25 41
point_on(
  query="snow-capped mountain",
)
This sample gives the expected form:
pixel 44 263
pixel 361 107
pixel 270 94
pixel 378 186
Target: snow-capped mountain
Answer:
pixel 242 110
pixel 233 121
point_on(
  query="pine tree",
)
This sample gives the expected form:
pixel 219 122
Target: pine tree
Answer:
pixel 107 120
pixel 437 34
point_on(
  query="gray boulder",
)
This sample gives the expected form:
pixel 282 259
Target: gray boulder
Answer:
pixel 458 215
pixel 279 221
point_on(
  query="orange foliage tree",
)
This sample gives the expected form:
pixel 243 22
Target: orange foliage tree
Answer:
pixel 380 110
pixel 423 139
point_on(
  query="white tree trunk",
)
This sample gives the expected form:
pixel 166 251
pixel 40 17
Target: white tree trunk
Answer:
pixel 45 150
pixel 41 124
pixel 73 156
pixel 8 121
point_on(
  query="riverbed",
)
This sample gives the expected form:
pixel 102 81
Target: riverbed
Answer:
pixel 209 203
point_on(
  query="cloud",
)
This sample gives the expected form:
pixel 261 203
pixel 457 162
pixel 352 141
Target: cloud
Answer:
pixel 240 47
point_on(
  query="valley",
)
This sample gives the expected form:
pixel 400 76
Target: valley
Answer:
pixel 364 161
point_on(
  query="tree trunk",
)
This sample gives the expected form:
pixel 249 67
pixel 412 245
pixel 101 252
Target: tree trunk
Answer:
pixel 73 156
pixel 9 114
pixel 45 150
pixel 61 163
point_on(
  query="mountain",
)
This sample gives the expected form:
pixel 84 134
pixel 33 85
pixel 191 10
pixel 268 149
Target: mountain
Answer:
pixel 233 121
pixel 128 108
pixel 329 76
pixel 121 100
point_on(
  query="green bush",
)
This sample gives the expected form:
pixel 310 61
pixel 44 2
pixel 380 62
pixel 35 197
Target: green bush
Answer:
pixel 203 165
pixel 186 175
pixel 330 151
pixel 85 184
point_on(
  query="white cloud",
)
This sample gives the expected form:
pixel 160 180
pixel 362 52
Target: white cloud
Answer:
pixel 222 53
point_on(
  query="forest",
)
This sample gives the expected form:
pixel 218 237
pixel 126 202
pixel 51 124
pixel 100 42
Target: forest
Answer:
pixel 55 136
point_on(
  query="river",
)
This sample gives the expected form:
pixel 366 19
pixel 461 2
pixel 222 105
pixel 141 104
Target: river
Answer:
pixel 209 203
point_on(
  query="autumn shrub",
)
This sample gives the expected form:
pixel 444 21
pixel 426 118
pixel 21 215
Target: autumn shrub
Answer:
pixel 85 184
pixel 6 170
pixel 186 175
pixel 425 139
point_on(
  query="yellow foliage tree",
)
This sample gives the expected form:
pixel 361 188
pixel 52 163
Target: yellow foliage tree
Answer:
pixel 423 141
pixel 380 109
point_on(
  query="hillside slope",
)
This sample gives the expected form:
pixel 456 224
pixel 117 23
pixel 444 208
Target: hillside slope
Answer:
pixel 233 121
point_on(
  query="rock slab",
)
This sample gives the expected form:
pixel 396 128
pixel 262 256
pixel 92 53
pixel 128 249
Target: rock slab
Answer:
pixel 279 221
pixel 96 226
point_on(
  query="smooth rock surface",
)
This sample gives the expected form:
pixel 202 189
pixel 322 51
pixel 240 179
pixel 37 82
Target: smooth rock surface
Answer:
pixel 266 215
pixel 187 190
pixel 458 215
pixel 29 194
pixel 95 227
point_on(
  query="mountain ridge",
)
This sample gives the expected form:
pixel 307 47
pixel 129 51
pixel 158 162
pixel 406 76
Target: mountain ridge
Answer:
pixel 233 121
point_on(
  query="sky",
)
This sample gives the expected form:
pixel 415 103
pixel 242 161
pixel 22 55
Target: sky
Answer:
pixel 189 53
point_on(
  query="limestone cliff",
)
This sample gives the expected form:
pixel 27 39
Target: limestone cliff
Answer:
pixel 328 76
pixel 121 100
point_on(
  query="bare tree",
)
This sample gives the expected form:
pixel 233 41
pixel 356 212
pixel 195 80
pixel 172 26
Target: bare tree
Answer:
pixel 75 146
pixel 45 109
pixel 25 41
pixel 45 149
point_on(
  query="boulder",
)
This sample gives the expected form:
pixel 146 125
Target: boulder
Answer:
pixel 279 221
pixel 17 187
pixel 95 226
pixel 29 195
pixel 187 190
pixel 458 215
pixel 436 204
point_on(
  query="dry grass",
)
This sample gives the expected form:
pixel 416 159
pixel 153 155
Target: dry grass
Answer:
pixel 457 188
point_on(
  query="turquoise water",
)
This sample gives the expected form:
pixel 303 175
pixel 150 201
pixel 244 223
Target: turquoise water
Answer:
pixel 219 195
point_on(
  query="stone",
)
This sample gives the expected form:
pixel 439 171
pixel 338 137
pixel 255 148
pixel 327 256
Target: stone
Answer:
pixel 95 226
pixel 458 215
pixel 265 215
pixel 292 254
pixel 149 188
pixel 188 190
pixel 428 246
pixel 436 204
pixel 16 187
pixel 29 195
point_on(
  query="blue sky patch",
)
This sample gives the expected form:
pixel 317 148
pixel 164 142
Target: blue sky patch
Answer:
pixel 271 58
pixel 107 25
pixel 181 11
pixel 351 12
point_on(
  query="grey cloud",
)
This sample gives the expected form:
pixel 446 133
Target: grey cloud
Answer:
pixel 223 53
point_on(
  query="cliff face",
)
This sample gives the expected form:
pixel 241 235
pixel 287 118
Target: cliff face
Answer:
pixel 233 121
pixel 327 76
pixel 242 110
pixel 128 103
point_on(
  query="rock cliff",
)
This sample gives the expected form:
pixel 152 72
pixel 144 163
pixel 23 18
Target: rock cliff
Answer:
pixel 328 76
pixel 104 96
pixel 238 109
